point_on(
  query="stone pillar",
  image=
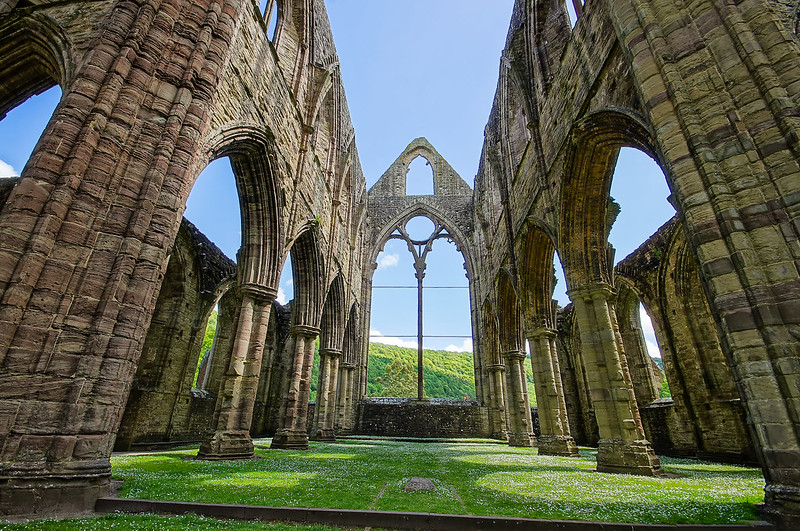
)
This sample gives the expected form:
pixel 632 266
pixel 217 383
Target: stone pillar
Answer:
pixel 344 399
pixel 325 416
pixel 622 447
pixel 230 438
pixel 497 406
pixel 520 432
pixel 294 409
pixel 555 437
pixel 635 347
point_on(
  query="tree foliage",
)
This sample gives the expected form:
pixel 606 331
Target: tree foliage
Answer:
pixel 446 374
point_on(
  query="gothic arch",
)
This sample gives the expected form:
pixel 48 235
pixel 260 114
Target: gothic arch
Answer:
pixel 594 147
pixel 254 162
pixel 428 211
pixel 334 316
pixel 508 313
pixel 35 54
pixel 536 278
pixel 308 273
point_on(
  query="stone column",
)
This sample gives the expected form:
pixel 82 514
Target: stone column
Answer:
pixel 325 418
pixel 520 431
pixel 230 438
pixel 294 410
pixel 635 348
pixel 497 406
pixel 555 438
pixel 622 447
pixel 344 400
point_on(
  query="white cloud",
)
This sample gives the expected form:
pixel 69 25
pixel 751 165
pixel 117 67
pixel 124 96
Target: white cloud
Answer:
pixel 387 260
pixel 377 337
pixel 289 282
pixel 7 170
pixel 466 346
pixel 652 349
pixel 281 298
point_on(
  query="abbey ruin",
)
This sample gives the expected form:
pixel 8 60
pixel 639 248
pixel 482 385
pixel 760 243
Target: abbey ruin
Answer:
pixel 105 290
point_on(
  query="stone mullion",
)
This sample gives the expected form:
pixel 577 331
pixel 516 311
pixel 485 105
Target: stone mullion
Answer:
pixel 622 447
pixel 497 408
pixel 294 410
pixel 518 403
pixel 233 415
pixel 555 438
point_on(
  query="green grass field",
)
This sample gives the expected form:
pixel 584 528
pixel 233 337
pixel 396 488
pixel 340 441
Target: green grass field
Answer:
pixel 471 478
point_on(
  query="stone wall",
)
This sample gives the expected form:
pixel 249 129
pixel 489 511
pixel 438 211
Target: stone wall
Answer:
pixel 436 418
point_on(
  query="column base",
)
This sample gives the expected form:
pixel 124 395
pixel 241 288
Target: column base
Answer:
pixel 619 456
pixel 499 435
pixel 559 445
pixel 227 445
pixel 782 506
pixel 326 435
pixel 51 496
pixel 290 440
pixel 524 440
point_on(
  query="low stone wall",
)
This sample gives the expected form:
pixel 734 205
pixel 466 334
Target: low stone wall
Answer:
pixel 406 417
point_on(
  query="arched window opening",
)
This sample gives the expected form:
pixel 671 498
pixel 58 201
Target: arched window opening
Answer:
pixel 529 375
pixel 286 283
pixel 654 351
pixel 560 287
pixel 271 12
pixel 574 10
pixel 640 189
pixel 213 207
pixel 419 177
pixel 21 128
pixel 398 302
pixel 201 371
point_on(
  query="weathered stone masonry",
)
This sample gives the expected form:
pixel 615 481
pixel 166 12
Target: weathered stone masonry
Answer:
pixel 152 91
pixel 91 246
pixel 709 90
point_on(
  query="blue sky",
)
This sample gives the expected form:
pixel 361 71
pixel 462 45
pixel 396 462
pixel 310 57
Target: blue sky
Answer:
pixel 411 68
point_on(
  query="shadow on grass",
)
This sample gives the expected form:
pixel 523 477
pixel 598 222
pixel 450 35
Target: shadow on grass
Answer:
pixel 487 480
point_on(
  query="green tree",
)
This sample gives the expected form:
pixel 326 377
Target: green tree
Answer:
pixel 399 379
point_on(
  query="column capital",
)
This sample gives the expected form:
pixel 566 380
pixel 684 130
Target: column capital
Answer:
pixel 303 330
pixel 513 355
pixel 330 352
pixel 259 293
pixel 347 365
pixel 496 367
pixel 541 332
pixel 592 290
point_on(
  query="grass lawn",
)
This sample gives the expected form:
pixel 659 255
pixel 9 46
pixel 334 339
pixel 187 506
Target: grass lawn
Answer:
pixel 470 478
pixel 149 522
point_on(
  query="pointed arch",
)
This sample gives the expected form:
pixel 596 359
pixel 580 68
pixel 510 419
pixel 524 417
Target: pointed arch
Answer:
pixel 594 147
pixel 490 341
pixel 433 213
pixel 308 273
pixel 35 54
pixel 536 275
pixel 508 314
pixel 255 166
pixel 334 316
